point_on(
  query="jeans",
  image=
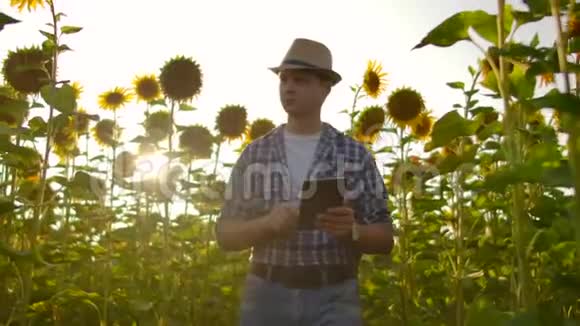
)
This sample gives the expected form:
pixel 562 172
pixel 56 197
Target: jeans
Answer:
pixel 271 304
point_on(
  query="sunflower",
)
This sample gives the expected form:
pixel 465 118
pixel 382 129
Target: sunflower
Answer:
pixel 13 111
pixel 197 141
pixel 106 132
pixel 546 79
pixel 30 4
pixel 259 128
pixel 404 106
pixel 65 139
pixel 422 129
pixel 81 121
pixel 158 125
pixel 147 88
pixel 573 26
pixel 181 79
pixel 125 164
pixel 374 81
pixel 77 89
pixel 369 124
pixel 231 121
pixel 26 69
pixel 115 98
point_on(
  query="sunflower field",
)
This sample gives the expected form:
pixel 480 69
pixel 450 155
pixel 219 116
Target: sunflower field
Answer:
pixel 485 198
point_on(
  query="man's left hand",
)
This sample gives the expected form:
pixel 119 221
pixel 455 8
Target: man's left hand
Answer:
pixel 337 221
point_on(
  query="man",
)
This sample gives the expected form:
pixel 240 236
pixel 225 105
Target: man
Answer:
pixel 304 276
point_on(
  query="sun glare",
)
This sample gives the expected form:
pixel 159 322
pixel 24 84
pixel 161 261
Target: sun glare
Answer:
pixel 151 165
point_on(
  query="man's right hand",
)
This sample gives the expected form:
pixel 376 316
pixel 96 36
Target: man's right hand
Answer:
pixel 282 219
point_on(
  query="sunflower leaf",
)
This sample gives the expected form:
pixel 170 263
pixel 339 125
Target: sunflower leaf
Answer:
pixel 62 99
pixel 70 29
pixel 36 105
pixel 456 28
pixel 48 35
pixel 539 7
pixel 457 85
pixel 158 102
pixel 5 20
pixel 524 17
pixel 562 102
pixel 186 107
pixel 450 126
pixel 6 206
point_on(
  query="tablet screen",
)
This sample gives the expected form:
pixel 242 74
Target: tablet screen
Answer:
pixel 317 196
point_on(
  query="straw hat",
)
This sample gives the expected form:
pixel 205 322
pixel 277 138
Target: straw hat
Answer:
pixel 308 54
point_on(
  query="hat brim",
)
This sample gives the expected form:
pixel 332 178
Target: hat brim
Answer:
pixel 333 75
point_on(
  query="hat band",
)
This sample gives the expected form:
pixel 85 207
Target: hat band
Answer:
pixel 300 63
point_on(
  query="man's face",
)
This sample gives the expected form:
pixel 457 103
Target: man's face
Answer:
pixel 302 92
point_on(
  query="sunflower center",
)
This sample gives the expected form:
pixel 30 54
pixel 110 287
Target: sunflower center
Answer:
pixel 405 107
pixel 114 99
pixel 372 81
pixel 148 88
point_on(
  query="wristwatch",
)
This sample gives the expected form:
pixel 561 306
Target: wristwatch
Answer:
pixel 355 232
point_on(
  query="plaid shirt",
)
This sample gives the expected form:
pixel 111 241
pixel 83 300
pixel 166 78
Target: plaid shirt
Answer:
pixel 260 178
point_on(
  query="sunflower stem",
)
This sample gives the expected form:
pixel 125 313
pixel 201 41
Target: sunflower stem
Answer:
pixel 166 227
pixel 570 121
pixel 352 113
pixel 28 267
pixel 217 156
pixel 405 255
pixel 520 222
pixel 109 224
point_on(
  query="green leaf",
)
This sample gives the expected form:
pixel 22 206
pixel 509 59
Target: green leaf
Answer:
pixel 63 48
pixel 450 126
pixel 471 70
pixel 494 128
pixel 6 206
pixel 483 313
pixel 186 107
pixel 522 86
pixel 5 20
pixel 49 36
pixel 457 85
pixel 554 174
pixel 526 17
pixel 70 29
pixel 574 45
pixel 37 105
pixel 158 102
pixel 539 7
pixel 563 102
pixel 86 186
pixel 520 51
pixel 456 27
pixel 61 98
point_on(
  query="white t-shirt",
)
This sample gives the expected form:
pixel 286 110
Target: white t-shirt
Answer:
pixel 299 155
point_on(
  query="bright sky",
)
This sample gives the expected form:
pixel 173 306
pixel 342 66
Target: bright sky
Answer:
pixel 235 42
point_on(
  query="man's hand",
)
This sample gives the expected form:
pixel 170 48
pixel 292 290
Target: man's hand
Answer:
pixel 282 219
pixel 337 221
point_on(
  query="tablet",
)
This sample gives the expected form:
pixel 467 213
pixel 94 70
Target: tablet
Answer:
pixel 317 195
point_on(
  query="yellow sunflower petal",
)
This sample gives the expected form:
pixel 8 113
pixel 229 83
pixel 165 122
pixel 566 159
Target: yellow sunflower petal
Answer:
pixel 115 99
pixel 374 81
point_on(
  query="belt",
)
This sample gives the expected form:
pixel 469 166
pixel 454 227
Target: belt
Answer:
pixel 304 276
